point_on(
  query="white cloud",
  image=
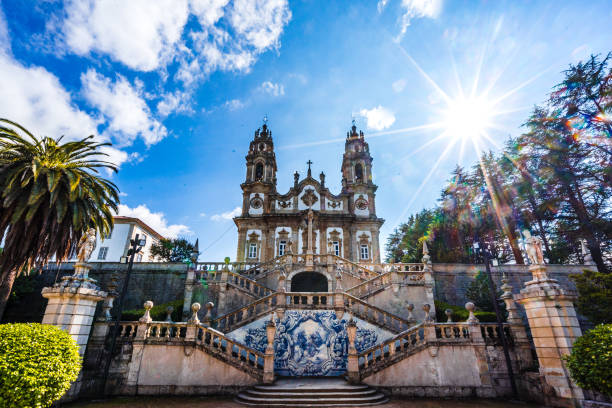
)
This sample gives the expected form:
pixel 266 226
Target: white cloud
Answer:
pixel 227 215
pixel 418 9
pixel 260 22
pixel 381 5
pixel 202 214
pixel 208 11
pixel 378 118
pixel 399 85
pixel 155 220
pixel 123 106
pixel 123 194
pixel 234 104
pixel 174 102
pixel 5 40
pixel 141 34
pixel 272 88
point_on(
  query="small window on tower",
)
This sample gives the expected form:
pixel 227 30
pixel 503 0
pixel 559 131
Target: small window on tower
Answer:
pixel 282 245
pixel 252 250
pixel 358 172
pixel 364 252
pixel 259 169
pixel 336 248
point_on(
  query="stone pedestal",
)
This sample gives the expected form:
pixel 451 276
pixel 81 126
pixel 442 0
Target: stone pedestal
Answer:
pixel 72 304
pixel 268 377
pixel 554 328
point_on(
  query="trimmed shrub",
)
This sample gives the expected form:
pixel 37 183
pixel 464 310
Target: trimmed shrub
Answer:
pixel 37 364
pixel 590 362
pixel 595 300
pixel 158 312
pixel 460 314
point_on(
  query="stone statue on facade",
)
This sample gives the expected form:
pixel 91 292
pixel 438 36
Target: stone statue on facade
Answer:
pixel 86 245
pixel 533 247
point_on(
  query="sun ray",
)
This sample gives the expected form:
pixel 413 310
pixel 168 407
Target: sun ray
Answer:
pixel 425 75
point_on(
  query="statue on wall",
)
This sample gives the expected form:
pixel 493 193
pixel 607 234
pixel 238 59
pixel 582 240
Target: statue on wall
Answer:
pixel 86 245
pixel 533 247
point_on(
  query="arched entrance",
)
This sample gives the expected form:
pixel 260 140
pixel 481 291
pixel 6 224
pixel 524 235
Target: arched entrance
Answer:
pixel 309 282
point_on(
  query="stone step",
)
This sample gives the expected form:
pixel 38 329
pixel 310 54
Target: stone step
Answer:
pixel 311 392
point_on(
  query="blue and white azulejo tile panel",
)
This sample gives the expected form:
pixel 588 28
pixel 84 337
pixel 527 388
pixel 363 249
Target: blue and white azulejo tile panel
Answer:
pixel 310 342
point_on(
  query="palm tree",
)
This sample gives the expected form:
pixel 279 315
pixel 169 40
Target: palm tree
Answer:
pixel 50 194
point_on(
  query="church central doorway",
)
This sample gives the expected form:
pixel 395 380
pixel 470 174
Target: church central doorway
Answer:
pixel 309 282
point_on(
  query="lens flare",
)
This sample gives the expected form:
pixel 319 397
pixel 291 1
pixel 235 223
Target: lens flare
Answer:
pixel 468 117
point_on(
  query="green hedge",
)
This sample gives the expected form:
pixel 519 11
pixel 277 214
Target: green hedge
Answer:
pixel 590 362
pixel 158 312
pixel 37 364
pixel 460 314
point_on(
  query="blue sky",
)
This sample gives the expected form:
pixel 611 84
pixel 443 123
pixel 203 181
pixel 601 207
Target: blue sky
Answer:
pixel 179 87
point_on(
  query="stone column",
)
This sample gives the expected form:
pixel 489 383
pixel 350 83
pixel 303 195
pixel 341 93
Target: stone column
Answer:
pixel 554 328
pixel 190 282
pixel 72 304
pixel 352 366
pixel 240 252
pixel 268 377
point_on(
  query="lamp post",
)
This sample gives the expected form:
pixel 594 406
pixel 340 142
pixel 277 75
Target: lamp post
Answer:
pixel 500 326
pixel 136 246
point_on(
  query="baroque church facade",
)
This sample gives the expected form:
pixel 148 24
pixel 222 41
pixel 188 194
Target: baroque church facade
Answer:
pixel 309 218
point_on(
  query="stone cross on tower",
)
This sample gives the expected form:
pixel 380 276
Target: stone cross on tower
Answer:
pixel 309 162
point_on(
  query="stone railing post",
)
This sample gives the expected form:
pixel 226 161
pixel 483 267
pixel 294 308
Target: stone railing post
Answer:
pixel 208 316
pixel 143 323
pixel 554 328
pixel 72 304
pixel 339 297
pixel 352 367
pixel 193 322
pixel 268 377
pixel 473 323
pixel 429 329
pixel 410 309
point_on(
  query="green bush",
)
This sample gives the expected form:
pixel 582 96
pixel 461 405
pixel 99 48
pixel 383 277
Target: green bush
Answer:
pixel 590 362
pixel 595 296
pixel 460 314
pixel 37 364
pixel 158 312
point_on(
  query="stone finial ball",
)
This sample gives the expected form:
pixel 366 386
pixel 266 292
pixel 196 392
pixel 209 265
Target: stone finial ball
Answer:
pixel 470 307
pixel 148 305
pixel 410 307
pixel 210 305
pixel 448 312
pixel 195 307
pixel 169 309
pixel 426 307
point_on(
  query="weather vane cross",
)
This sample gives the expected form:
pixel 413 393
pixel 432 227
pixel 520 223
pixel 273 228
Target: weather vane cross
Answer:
pixel 309 162
pixel 265 119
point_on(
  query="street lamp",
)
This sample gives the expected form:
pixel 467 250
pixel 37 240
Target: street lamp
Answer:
pixel 500 327
pixel 136 246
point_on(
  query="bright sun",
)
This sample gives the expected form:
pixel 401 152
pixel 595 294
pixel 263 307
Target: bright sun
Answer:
pixel 467 118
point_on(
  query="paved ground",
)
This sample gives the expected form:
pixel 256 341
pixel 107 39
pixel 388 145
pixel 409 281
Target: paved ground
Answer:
pixel 213 402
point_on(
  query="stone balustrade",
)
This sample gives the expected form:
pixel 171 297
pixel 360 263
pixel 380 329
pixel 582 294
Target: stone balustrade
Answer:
pixel 379 282
pixel 374 314
pixel 309 300
pixel 213 341
pixel 452 332
pixel 236 279
pixel 387 352
pixel 219 266
pixel 246 314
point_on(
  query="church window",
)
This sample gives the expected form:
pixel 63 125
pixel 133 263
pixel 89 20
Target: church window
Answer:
pixel 336 248
pixel 282 245
pixel 259 169
pixel 358 172
pixel 252 250
pixel 102 253
pixel 364 252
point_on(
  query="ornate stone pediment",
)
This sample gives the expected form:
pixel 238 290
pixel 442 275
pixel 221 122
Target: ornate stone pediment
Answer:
pixel 309 198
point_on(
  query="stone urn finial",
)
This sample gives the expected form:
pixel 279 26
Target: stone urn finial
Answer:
pixel 410 308
pixel 146 318
pixel 195 307
pixel 426 309
pixel 470 307
pixel 448 313
pixel 169 311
